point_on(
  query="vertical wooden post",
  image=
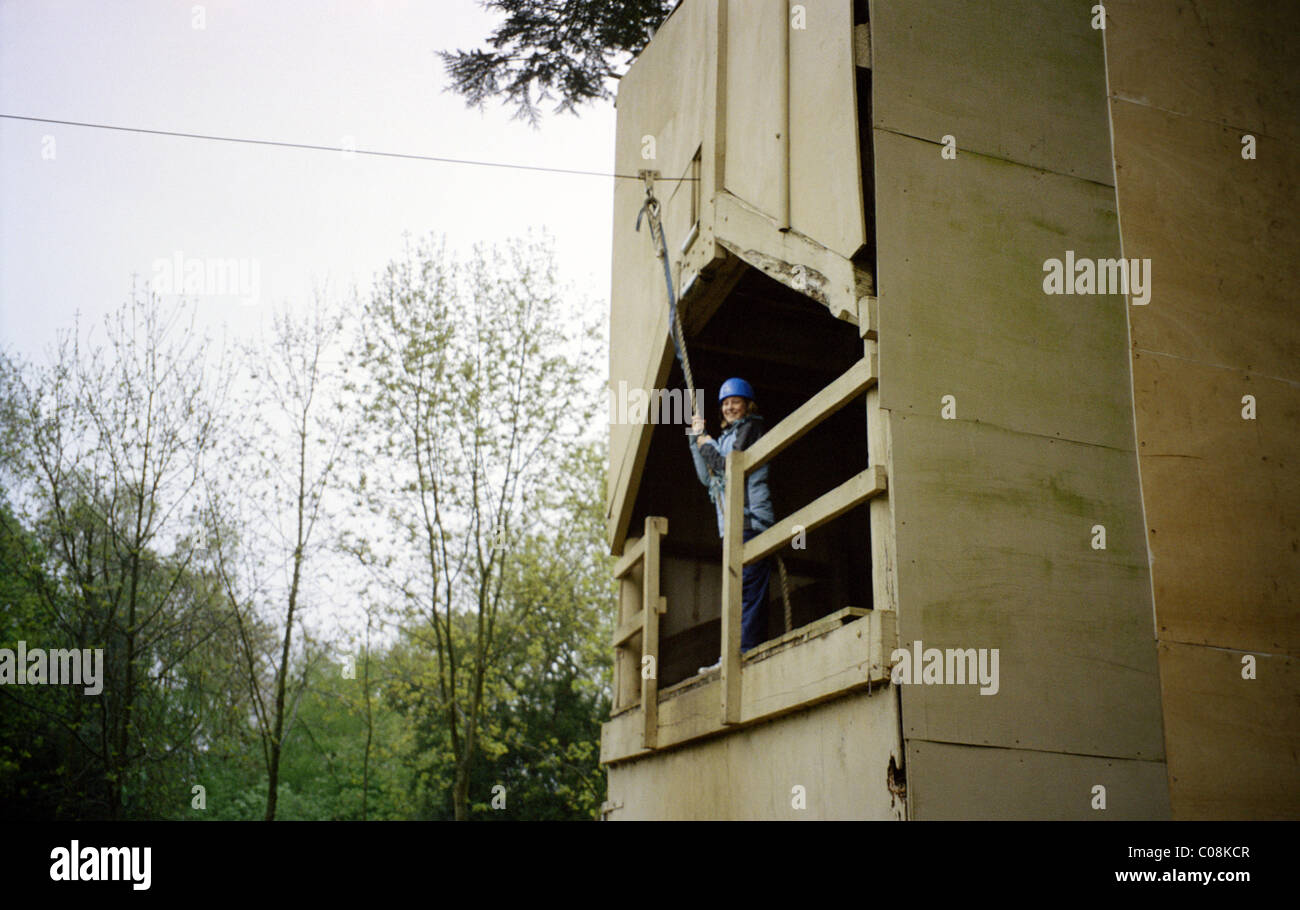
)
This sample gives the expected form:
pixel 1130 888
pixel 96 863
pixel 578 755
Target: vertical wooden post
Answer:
pixel 783 174
pixel 719 110
pixel 652 604
pixel 732 582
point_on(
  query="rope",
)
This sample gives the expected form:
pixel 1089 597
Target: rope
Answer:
pixel 651 207
pixel 785 591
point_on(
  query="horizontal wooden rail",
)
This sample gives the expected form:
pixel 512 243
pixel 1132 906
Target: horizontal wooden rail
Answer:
pixel 632 554
pixel 630 627
pixel 857 489
pixel 852 383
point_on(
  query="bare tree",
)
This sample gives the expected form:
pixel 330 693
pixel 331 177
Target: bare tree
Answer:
pixel 279 479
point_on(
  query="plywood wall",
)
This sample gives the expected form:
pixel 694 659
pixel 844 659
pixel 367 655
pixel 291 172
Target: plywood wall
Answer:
pixel 838 754
pixel 1189 81
pixel 996 499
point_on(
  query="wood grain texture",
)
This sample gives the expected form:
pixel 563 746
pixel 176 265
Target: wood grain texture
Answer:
pixel 1232 741
pixel 1233 63
pixel 953 782
pixel 1222 234
pixel 962 307
pixel 839 754
pixel 1019 80
pixel 994 537
pixel 1222 503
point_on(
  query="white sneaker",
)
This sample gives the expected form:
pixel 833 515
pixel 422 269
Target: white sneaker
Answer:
pixel 710 668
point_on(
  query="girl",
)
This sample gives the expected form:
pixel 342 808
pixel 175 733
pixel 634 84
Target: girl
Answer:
pixel 741 428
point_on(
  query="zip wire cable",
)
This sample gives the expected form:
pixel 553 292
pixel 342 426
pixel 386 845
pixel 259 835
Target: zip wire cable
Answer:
pixel 331 148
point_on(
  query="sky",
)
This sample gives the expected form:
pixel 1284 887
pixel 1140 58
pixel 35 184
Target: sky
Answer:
pixel 83 210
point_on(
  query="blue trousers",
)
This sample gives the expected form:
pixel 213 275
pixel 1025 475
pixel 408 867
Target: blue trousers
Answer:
pixel 753 596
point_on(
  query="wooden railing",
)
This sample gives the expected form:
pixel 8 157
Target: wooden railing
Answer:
pixel 737 553
pixel 640 619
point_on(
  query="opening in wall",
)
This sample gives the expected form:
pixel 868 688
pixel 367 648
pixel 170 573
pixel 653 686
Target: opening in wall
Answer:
pixel 788 348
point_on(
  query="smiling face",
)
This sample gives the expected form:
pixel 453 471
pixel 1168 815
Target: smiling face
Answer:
pixel 734 408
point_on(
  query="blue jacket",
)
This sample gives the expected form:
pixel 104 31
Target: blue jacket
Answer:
pixel 711 467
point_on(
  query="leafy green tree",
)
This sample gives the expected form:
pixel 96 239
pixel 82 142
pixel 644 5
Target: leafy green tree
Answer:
pixel 102 453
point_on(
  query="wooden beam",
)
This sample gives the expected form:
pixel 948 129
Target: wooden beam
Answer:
pixel 852 383
pixel 827 507
pixel 733 511
pixel 628 628
pixel 652 604
pixel 632 554
pixel 789 257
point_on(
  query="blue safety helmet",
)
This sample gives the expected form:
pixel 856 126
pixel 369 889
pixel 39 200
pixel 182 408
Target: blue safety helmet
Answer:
pixel 735 386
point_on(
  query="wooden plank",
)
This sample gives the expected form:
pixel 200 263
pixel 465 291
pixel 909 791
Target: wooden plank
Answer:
pixel 882 640
pixel 732 584
pixel 1020 784
pixel 655 528
pixel 1177 175
pixel 629 628
pixel 881 508
pixel 1222 501
pixel 795 260
pixel 749 775
pixel 994 537
pixel 814 671
pixel 719 123
pixel 1215 60
pixel 1233 742
pixel 827 507
pixel 633 552
pixel 825 171
pixel 851 383
pixel 938 64
pixel 755 102
pixel 811 630
pixel 961 250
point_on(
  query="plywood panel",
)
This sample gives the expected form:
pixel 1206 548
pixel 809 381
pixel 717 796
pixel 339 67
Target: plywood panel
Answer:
pixel 1222 503
pixel 1021 80
pixel 947 782
pixel 994 542
pixel 756 102
pixel 825 174
pixel 1222 234
pixel 838 753
pixel 962 308
pixel 1230 62
pixel 1233 742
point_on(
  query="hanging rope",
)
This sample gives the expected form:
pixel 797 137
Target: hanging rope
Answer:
pixel 651 208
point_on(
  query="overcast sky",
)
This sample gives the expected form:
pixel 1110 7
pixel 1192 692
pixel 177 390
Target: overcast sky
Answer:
pixel 82 209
